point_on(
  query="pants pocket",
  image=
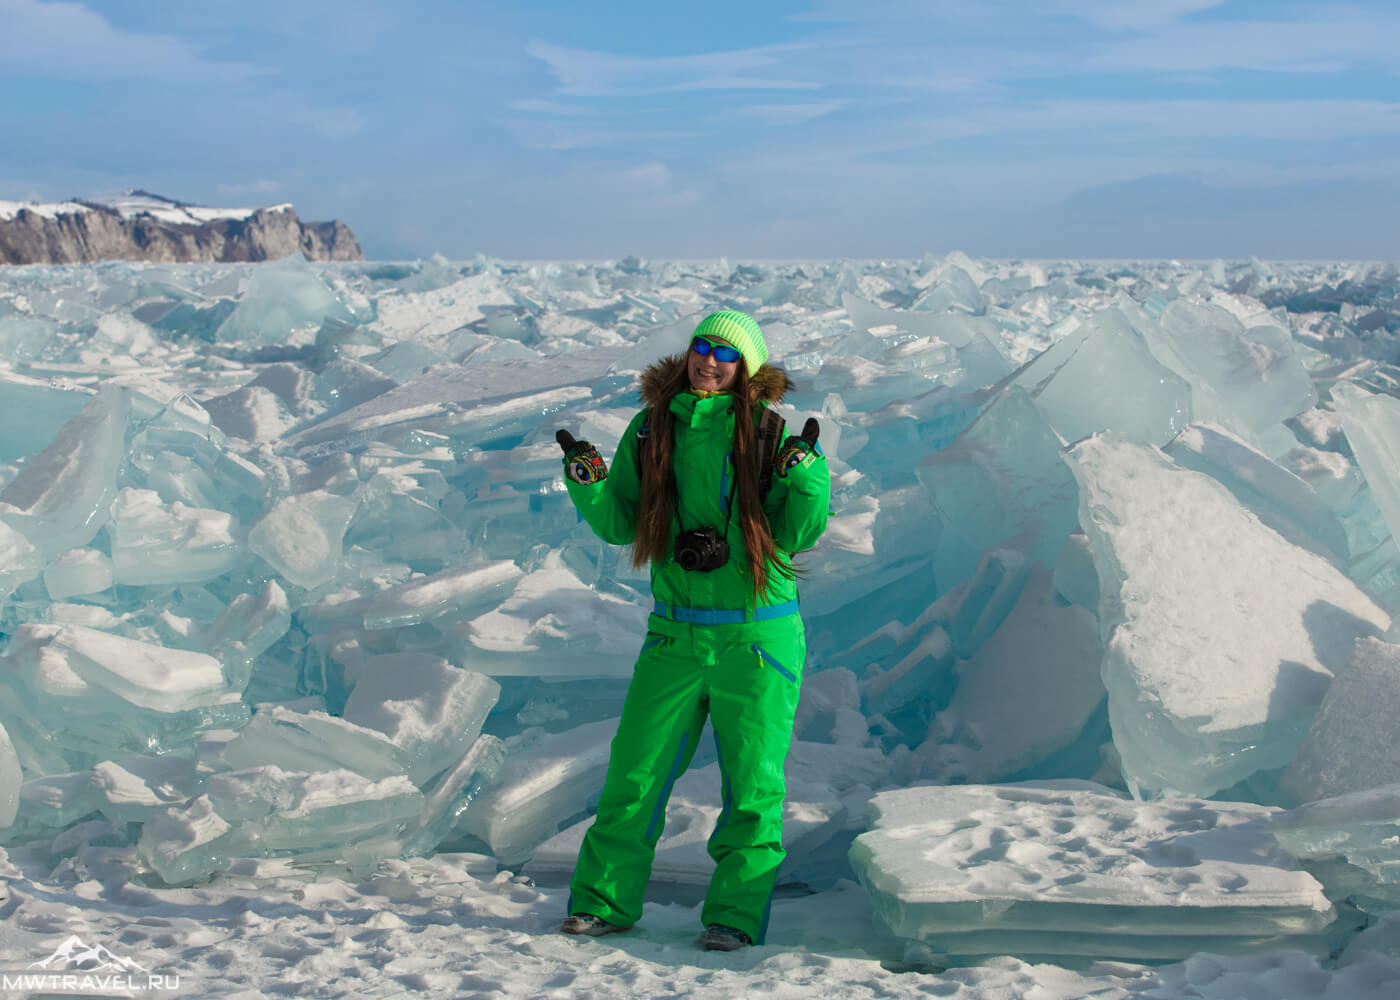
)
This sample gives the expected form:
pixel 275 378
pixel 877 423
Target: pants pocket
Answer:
pixel 767 659
pixel 655 641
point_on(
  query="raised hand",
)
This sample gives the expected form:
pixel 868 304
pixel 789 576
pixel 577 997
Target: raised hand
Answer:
pixel 795 449
pixel 582 463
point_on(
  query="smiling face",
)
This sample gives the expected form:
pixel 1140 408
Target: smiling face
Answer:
pixel 710 375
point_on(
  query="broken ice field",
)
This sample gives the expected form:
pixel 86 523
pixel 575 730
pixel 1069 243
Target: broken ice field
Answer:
pixel 1101 656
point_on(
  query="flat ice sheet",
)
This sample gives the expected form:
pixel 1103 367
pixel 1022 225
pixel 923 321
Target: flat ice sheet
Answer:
pixel 1073 843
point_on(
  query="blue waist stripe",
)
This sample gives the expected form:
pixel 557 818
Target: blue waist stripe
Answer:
pixel 722 616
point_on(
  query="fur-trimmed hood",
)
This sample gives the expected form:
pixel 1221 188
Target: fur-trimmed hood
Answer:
pixel 769 384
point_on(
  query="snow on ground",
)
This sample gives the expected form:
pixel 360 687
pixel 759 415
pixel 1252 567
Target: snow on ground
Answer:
pixel 450 926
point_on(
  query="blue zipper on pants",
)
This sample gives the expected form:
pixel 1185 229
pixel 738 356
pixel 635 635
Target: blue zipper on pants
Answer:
pixel 654 643
pixel 763 655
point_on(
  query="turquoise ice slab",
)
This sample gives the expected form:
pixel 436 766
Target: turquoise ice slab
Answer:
pixel 454 791
pixel 1282 500
pixel 154 543
pixel 1247 379
pixel 552 626
pixel 75 696
pixel 466 590
pixel 975 340
pixel 1362 827
pixel 135 788
pixel 1002 482
pixel 301 536
pixel 1076 580
pixel 1351 744
pixel 287 810
pixel 56 800
pixel 75 573
pixel 1103 375
pixel 278 812
pixel 1048 654
pixel 23 338
pixel 311 741
pixel 53 736
pixel 1037 946
pixel 1372 425
pixel 76 661
pixel 1072 868
pixel 285 299
pixel 247 628
pixel 20 561
pixel 430 710
pixel 1220 637
pixel 47 408
pixel 179 453
pixel 871 542
pixel 59 499
pixel 543 783
pixel 991 591
pixel 10 780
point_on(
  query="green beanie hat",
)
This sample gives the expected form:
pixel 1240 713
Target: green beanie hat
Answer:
pixel 741 330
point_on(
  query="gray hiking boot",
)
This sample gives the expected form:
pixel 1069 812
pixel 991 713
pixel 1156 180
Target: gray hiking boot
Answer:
pixel 587 923
pixel 721 938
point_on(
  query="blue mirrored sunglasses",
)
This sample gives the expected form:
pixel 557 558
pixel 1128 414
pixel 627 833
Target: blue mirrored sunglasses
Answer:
pixel 723 352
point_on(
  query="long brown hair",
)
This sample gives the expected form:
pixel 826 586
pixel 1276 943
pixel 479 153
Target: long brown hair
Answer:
pixel 652 541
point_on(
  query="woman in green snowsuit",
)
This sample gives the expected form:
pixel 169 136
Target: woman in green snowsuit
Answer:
pixel 726 641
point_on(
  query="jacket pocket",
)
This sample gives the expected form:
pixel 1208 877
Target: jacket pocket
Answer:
pixel 764 658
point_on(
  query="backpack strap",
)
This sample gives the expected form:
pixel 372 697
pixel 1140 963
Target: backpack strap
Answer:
pixel 643 432
pixel 770 438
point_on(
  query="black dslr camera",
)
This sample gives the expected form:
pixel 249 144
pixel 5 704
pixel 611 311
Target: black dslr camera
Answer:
pixel 701 550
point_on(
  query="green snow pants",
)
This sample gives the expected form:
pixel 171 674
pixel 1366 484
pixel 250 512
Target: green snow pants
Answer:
pixel 746 678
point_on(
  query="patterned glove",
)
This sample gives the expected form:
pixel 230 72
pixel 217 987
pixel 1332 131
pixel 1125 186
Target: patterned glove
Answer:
pixel 582 463
pixel 796 449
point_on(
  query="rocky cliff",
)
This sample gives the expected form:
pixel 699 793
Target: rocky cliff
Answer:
pixel 141 226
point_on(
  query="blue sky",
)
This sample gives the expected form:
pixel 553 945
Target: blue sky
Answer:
pixel 771 128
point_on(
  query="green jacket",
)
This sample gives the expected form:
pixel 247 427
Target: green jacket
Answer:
pixel 796 505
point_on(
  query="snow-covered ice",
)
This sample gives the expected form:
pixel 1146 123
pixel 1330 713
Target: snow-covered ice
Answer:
pixel 1069 869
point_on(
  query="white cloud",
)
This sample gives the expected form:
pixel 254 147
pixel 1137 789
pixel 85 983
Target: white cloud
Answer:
pixel 1085 129
pixel 563 137
pixel 549 108
pixel 1110 15
pixel 67 41
pixel 1343 39
pixel 789 114
pixel 911 43
pixel 1122 121
pixel 653 174
pixel 329 123
pixel 585 73
pixel 1129 15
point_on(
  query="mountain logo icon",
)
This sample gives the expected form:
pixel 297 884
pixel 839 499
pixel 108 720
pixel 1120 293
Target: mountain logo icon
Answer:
pixel 74 953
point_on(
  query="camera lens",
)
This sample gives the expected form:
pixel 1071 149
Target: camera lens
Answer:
pixel 701 550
